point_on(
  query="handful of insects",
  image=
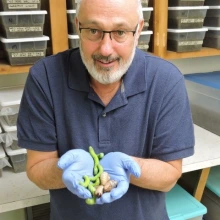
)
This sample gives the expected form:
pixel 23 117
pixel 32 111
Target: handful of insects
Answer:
pixel 100 182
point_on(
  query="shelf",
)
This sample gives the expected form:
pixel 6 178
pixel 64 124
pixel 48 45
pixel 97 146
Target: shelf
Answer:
pixel 8 69
pixel 202 53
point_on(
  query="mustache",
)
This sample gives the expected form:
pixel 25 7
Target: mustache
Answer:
pixel 105 58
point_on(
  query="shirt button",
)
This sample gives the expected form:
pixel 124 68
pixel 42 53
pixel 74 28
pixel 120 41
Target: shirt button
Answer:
pixel 104 115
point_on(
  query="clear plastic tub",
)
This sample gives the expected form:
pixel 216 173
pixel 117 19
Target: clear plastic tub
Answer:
pixel 19 5
pixel 18 159
pixel 144 3
pixel 21 24
pixel 71 4
pixel 6 127
pixel 70 21
pixel 73 41
pixel 23 51
pixel 146 14
pixel 186 2
pixel 181 205
pixel 204 96
pixel 9 138
pixel 213 16
pixel 186 17
pixel 185 40
pixel 212 38
pixel 10 99
pixel 144 39
pixel 2 158
pixel 212 2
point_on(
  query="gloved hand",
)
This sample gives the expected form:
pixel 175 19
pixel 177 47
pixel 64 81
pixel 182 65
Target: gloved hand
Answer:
pixel 119 166
pixel 76 164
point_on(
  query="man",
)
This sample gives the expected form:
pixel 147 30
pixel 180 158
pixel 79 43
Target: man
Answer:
pixel 123 102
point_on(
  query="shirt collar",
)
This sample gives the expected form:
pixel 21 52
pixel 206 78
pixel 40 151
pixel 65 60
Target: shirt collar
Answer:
pixel 134 80
pixel 78 77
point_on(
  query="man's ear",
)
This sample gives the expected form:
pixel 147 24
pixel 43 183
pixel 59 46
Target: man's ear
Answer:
pixel 140 27
pixel 76 22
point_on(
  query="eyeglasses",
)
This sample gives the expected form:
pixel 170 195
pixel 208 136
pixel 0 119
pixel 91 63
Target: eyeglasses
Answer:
pixel 96 35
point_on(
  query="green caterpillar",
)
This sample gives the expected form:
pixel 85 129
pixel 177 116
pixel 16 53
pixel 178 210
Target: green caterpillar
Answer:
pixel 91 182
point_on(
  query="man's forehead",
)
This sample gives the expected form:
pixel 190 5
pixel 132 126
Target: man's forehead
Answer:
pixel 117 10
pixel 113 3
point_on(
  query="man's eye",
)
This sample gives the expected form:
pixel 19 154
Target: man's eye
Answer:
pixel 93 31
pixel 120 33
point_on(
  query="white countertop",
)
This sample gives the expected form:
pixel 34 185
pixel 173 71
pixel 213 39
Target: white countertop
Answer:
pixel 207 151
pixel 17 192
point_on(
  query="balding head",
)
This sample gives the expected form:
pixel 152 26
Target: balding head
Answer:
pixel 136 3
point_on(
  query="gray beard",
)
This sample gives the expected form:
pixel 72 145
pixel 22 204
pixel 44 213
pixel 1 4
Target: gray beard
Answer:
pixel 107 75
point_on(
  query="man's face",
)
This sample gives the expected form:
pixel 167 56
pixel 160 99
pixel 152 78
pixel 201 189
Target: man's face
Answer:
pixel 107 60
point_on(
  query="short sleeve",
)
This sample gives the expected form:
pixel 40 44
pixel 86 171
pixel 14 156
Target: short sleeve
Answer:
pixel 36 125
pixel 174 135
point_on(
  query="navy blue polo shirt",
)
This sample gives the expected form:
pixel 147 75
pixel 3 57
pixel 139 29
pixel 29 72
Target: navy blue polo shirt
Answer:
pixel 148 117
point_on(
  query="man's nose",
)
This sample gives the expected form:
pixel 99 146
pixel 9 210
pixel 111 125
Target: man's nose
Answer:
pixel 106 44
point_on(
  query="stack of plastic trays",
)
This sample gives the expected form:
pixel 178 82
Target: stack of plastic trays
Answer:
pixel 21 28
pixel 73 37
pixel 10 99
pixel 144 39
pixel 212 22
pixel 185 25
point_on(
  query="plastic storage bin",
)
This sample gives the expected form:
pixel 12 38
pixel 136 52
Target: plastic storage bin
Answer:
pixel 144 3
pixel 212 38
pixel 212 2
pixel 70 21
pixel 7 128
pixel 185 40
pixel 73 41
pixel 20 24
pixel 10 139
pixel 204 96
pixel 2 158
pixel 213 16
pixel 211 195
pixel 10 99
pixel 23 51
pixel 146 14
pixel 186 17
pixel 186 2
pixel 181 205
pixel 19 5
pixel 18 159
pixel 144 39
pixel 71 4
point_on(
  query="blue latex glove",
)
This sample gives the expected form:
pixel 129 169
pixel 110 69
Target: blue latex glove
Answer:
pixel 76 164
pixel 119 166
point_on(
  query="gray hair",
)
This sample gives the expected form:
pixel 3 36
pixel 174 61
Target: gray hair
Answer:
pixel 139 9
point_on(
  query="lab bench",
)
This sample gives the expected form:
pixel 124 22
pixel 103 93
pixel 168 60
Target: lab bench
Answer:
pixel 18 192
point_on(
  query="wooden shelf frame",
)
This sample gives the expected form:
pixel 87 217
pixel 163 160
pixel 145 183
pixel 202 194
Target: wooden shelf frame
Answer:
pixel 160 21
pixel 59 36
pixel 5 68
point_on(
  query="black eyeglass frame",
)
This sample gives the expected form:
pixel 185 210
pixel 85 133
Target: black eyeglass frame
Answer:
pixel 104 32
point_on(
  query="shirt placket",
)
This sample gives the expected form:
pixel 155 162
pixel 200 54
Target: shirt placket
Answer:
pixel 104 130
